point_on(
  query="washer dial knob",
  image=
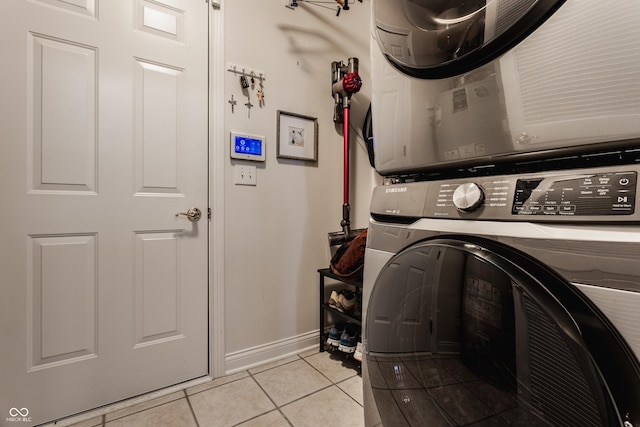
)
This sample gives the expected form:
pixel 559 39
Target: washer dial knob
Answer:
pixel 468 197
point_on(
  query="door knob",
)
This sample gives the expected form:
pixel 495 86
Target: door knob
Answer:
pixel 193 214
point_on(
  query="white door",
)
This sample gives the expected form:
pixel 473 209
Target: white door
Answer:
pixel 103 139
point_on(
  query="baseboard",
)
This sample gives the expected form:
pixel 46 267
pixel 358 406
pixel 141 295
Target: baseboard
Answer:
pixel 259 355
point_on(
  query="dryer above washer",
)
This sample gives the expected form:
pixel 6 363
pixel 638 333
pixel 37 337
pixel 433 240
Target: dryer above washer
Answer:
pixel 441 38
pixel 468 83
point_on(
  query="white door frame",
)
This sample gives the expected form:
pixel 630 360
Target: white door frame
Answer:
pixel 216 188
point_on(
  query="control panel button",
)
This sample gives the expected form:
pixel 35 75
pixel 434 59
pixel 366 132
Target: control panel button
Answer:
pixel 468 197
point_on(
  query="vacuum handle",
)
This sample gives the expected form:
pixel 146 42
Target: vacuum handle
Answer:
pixel 345 131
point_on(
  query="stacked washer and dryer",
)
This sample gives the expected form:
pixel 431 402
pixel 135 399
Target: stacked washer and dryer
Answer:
pixel 502 269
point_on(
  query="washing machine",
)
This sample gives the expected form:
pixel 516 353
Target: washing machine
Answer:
pixel 504 300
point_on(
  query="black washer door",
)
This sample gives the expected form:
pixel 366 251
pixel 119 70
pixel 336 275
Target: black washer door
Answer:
pixel 443 38
pixel 463 331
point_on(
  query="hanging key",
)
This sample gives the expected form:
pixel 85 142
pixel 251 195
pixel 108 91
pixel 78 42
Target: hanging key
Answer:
pixel 260 93
pixel 243 82
pixel 260 96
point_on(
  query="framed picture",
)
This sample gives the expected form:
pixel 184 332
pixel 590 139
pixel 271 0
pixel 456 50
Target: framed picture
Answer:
pixel 297 137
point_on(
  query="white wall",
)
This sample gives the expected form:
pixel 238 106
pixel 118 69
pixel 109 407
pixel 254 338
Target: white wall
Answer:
pixel 276 232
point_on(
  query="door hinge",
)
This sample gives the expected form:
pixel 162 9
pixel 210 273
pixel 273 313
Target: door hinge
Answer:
pixel 209 213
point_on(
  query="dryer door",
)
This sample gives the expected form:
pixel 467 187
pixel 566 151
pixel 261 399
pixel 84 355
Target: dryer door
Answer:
pixel 443 38
pixel 464 331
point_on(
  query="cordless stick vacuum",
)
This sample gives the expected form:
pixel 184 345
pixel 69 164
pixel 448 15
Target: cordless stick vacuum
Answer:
pixel 345 81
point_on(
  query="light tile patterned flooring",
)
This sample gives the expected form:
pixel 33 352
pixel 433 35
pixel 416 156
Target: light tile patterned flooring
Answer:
pixel 306 390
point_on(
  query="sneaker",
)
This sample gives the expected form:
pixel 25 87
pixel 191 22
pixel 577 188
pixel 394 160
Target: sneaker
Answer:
pixel 333 339
pixel 347 301
pixel 334 299
pixel 357 355
pixel 348 339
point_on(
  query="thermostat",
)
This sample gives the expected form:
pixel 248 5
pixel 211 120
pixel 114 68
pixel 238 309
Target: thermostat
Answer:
pixel 247 147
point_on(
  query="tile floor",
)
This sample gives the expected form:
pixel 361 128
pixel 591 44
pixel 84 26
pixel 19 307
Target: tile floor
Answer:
pixel 305 390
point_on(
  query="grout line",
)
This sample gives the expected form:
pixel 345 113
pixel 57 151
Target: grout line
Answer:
pixel 320 372
pixel 335 384
pixel 269 397
pixel 219 385
pixel 285 417
pixel 310 394
pixel 299 398
pixel 195 418
pixel 329 379
pixel 348 395
pixel 263 390
pixel 261 415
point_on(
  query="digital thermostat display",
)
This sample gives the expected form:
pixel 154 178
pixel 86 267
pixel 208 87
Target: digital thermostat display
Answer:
pixel 247 147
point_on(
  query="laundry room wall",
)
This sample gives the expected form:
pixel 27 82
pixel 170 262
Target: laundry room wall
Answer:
pixel 276 231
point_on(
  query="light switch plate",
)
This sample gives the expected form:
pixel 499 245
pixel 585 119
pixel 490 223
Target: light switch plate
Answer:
pixel 245 175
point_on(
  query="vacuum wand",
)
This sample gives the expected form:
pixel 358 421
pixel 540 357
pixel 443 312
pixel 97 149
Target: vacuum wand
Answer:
pixel 345 82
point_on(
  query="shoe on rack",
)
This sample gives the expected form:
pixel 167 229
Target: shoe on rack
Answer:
pixel 349 339
pixel 334 299
pixel 357 355
pixel 333 339
pixel 347 301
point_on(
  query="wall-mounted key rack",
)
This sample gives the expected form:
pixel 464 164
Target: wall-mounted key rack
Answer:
pixel 251 83
pixel 239 70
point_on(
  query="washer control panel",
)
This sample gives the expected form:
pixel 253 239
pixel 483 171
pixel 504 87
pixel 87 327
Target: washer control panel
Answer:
pixel 603 194
pixel 577 195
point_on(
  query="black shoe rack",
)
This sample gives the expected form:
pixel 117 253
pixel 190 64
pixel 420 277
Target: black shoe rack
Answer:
pixel 325 307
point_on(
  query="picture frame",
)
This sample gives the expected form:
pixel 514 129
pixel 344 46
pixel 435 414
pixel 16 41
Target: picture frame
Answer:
pixel 297 136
